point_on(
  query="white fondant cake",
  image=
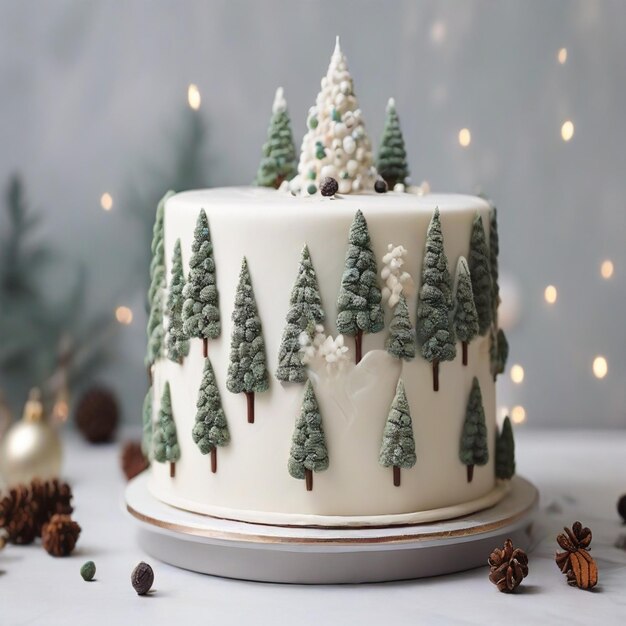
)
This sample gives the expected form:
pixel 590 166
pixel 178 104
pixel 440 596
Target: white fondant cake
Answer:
pixel 269 228
pixel 297 377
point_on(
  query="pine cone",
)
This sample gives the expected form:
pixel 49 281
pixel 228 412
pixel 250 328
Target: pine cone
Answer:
pixel 133 460
pixel 508 566
pixel 97 415
pixel 17 515
pixel 576 562
pixel 60 535
pixel 50 497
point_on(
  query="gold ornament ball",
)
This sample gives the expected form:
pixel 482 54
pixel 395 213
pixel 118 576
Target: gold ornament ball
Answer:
pixel 30 449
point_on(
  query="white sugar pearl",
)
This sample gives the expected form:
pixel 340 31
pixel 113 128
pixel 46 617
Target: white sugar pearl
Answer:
pixel 336 143
pixel 399 187
pixel 352 166
pixel 356 184
pixel 349 145
pixel 339 100
pixel 340 130
pixel 360 154
pixel 345 186
pixel 328 171
pixel 344 87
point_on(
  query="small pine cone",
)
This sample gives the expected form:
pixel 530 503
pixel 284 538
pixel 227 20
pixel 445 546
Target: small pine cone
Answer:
pixel 133 461
pixel 97 415
pixel 508 567
pixel 17 515
pixel 576 562
pixel 50 497
pixel 60 535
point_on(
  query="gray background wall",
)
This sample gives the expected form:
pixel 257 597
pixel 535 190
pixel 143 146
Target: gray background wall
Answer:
pixel 92 94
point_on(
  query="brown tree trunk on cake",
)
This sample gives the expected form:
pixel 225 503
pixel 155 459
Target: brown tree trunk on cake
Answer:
pixel 436 375
pixel 278 181
pixel 464 346
pixel 205 347
pixel 358 346
pixel 250 400
pixel 396 476
pixel 470 473
pixel 308 479
pixel 149 372
pixel 214 460
pixel 172 470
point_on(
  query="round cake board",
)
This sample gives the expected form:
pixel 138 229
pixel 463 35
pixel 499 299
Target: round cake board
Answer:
pixel 328 556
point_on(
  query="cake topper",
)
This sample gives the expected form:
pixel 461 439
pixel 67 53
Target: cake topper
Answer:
pixel 336 144
pixel 391 163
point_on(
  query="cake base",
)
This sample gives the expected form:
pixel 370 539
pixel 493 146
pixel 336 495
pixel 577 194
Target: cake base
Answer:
pixel 328 556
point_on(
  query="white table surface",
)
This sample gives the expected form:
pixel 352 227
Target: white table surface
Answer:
pixel 579 473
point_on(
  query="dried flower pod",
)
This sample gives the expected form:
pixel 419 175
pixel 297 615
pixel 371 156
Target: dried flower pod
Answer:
pixel 576 562
pixel 508 567
pixel 88 571
pixel 132 459
pixel 329 186
pixel 142 578
pixel 59 535
pixel 50 497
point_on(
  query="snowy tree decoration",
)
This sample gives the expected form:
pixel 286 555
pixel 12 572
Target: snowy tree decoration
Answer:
pixel 397 281
pixel 336 143
pixel 391 162
pixel 279 152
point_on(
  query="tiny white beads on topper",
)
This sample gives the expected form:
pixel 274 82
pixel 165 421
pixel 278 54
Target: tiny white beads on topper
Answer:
pixel 323 349
pixel 280 103
pixel 397 281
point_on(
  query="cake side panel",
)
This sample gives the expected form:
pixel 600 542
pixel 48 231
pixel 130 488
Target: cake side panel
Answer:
pixel 252 470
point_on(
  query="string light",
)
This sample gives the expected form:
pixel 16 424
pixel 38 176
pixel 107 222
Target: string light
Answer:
pixel 517 374
pixel 106 201
pixel 550 294
pixel 124 315
pixel 465 137
pixel 562 56
pixel 600 367
pixel 193 97
pixel 518 414
pixel 606 269
pixel 567 130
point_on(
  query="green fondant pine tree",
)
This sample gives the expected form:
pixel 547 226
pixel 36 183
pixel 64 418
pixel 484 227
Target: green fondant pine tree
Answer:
pixel 247 371
pixel 308 448
pixel 435 331
pixel 494 251
pixel 201 314
pixel 156 293
pixel 391 163
pixel 211 428
pixel 474 448
pixel 279 160
pixel 166 448
pixel 359 307
pixel 465 315
pixel 478 263
pixel 177 341
pixel 398 445
pixel 505 452
pixel 401 340
pixel 305 311
pixel 499 352
pixel 148 435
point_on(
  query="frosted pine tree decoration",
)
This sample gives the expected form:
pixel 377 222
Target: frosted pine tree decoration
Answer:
pixel 474 449
pixel 177 342
pixel 304 314
pixel 166 448
pixel 308 448
pixel 398 446
pixel 505 452
pixel 465 315
pixel 401 340
pixel 435 331
pixel 147 433
pixel 359 308
pixel 279 162
pixel 201 314
pixel 391 163
pixel 211 428
pixel 247 371
pixel 336 143
pixel 478 263
pixel 499 352
pixel 156 293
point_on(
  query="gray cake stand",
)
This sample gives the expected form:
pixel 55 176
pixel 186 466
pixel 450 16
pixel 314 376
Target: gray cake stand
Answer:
pixel 327 556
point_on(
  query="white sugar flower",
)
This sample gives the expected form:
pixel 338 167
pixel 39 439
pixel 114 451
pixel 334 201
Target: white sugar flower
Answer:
pixel 396 280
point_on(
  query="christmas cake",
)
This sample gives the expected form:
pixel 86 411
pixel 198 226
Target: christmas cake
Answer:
pixel 323 346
